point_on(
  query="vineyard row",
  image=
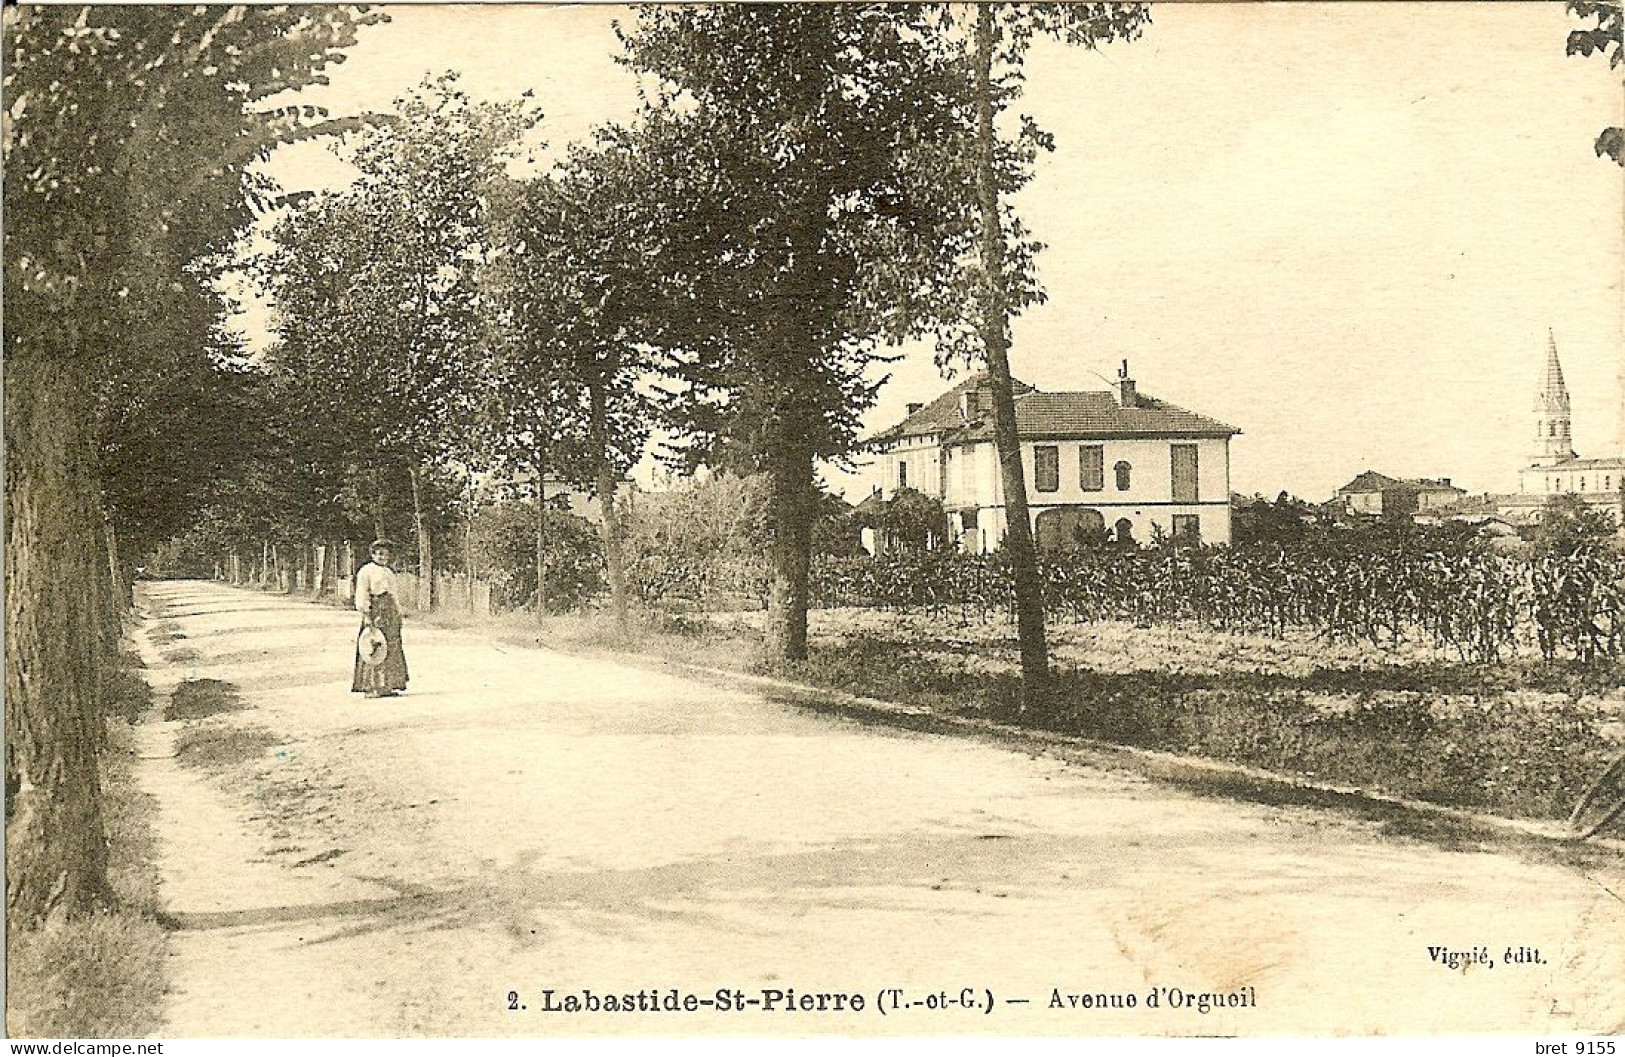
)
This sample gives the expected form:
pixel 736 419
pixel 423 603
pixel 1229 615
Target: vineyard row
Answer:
pixel 1479 604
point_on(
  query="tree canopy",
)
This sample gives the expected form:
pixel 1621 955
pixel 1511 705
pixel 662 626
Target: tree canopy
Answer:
pixel 1606 37
pixel 130 138
pixel 803 146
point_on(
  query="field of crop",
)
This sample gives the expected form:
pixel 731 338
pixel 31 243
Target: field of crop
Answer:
pixel 1383 586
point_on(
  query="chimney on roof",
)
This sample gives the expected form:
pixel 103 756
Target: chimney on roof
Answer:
pixel 913 407
pixel 1127 395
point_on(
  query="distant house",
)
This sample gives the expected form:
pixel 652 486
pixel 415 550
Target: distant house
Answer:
pixel 1485 524
pixel 567 496
pixel 1377 495
pixel 1119 466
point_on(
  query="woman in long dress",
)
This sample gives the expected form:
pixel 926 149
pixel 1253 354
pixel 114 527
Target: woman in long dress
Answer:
pixel 376 599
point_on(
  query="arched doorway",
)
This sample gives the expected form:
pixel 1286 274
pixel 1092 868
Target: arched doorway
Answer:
pixel 1068 528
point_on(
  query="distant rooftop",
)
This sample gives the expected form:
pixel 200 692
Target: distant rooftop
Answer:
pixel 1371 481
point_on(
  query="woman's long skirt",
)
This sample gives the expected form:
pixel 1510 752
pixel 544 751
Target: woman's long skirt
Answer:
pixel 391 675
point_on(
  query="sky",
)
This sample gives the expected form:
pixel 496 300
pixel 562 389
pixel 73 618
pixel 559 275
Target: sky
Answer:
pixel 1345 229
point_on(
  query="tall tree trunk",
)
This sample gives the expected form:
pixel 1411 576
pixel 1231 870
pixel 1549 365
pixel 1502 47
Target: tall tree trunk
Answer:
pixel 609 529
pixel 110 590
pixel 118 571
pixel 425 599
pixel 541 535
pixel 468 557
pixel 790 517
pixel 1018 538
pixel 375 477
pixel 56 843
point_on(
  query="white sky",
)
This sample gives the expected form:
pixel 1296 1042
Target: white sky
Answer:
pixel 1343 228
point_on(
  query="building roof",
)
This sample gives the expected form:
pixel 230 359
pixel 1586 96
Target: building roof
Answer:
pixel 1611 463
pixel 1056 416
pixel 872 503
pixel 943 414
pixel 1372 481
pixel 1551 378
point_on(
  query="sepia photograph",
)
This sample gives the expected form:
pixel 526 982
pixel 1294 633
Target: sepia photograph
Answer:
pixel 818 520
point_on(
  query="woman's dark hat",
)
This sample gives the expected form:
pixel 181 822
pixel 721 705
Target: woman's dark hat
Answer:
pixel 382 545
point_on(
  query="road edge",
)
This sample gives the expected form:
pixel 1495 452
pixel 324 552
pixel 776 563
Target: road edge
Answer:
pixel 1188 771
pixel 1151 763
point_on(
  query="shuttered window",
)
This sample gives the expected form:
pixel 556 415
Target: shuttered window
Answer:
pixel 1091 467
pixel 1046 468
pixel 1183 458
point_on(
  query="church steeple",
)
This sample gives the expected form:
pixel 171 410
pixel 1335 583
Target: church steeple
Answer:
pixel 1552 443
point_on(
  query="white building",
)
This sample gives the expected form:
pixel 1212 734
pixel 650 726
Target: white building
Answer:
pixel 1554 469
pixel 1125 466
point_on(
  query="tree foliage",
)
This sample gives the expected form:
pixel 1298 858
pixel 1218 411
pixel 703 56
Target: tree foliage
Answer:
pixel 376 286
pixel 1606 37
pixel 380 312
pixel 802 146
pixel 912 521
pixel 129 142
pixel 1568 524
pixel 580 307
pixel 578 298
pixel 1285 520
pixel 503 539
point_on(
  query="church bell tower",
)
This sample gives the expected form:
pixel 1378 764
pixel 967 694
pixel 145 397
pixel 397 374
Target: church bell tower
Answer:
pixel 1552 443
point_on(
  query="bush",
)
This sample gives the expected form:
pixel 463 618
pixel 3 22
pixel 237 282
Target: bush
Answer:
pixel 702 544
pixel 504 543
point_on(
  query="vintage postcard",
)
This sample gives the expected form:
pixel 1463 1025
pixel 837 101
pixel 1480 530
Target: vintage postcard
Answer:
pixel 829 519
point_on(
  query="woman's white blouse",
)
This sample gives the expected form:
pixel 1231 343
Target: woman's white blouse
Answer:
pixel 370 580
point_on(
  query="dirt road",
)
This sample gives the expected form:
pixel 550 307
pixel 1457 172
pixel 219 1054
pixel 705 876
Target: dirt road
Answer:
pixel 528 822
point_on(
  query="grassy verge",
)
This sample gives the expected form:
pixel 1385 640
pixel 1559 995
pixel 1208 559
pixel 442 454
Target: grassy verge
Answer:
pixel 198 698
pixel 1485 748
pixel 1521 739
pixel 101 976
pixel 674 638
pixel 127 694
pixel 211 747
pixel 221 748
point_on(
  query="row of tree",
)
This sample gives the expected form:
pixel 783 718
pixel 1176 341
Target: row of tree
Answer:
pixel 130 138
pixel 804 185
